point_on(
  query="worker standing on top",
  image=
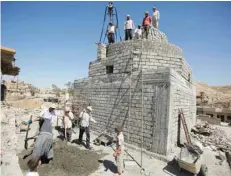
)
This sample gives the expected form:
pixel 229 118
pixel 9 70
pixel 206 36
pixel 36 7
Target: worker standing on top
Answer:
pixel 128 27
pixel 67 123
pixel 85 117
pixel 119 150
pixel 138 33
pixel 111 32
pixel 147 22
pixel 155 17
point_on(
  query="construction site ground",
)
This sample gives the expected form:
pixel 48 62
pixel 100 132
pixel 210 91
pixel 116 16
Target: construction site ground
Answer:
pixel 100 161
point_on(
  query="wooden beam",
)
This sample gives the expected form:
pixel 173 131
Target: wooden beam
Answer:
pixel 8 50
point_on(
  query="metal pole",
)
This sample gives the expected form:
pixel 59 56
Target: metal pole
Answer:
pixel 129 112
pixel 142 105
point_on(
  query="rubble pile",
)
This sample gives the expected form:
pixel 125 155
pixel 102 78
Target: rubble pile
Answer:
pixel 211 136
pixel 13 121
pixel 9 159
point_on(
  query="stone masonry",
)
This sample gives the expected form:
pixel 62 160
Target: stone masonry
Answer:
pixel 140 79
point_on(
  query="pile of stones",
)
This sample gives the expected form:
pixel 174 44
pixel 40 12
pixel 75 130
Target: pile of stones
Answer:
pixel 211 136
pixel 9 159
pixel 13 121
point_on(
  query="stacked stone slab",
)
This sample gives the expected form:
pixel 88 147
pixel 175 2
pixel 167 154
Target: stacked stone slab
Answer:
pixel 151 81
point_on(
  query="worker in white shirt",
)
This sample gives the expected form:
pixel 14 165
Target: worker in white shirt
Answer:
pixel 46 113
pixel 67 123
pixel 138 32
pixel 155 17
pixel 84 125
pixel 44 142
pixel 128 27
pixel 111 33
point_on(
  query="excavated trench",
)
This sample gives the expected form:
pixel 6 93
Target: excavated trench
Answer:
pixel 68 161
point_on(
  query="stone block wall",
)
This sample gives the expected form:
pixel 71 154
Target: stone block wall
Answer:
pixel 151 54
pixel 183 96
pixel 117 100
pixel 146 105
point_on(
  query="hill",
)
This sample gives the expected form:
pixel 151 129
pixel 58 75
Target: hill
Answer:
pixel 219 96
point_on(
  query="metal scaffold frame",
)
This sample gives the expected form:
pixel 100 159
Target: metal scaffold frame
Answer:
pixel 130 106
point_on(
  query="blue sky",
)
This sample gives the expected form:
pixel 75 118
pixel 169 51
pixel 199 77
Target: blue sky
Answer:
pixel 55 41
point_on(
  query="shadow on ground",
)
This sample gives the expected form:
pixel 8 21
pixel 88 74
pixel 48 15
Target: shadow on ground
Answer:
pixel 109 165
pixel 172 169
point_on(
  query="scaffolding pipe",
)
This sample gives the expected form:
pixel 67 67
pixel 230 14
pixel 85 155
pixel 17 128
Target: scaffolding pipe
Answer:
pixel 142 105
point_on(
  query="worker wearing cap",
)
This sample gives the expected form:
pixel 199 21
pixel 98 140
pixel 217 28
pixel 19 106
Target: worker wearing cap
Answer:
pixel 155 17
pixel 43 145
pixel 67 123
pixel 128 27
pixel 138 32
pixel 111 32
pixel 85 117
pixel 45 114
pixel 147 22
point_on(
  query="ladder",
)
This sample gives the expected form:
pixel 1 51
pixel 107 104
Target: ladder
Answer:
pixel 185 127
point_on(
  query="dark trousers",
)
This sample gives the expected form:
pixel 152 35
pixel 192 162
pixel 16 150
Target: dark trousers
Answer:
pixel 128 34
pixel 111 38
pixel 81 131
pixel 69 134
pixel 3 95
pixel 146 31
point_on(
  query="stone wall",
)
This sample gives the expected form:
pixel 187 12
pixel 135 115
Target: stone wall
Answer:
pixel 146 105
pixel 183 96
pixel 114 103
pixel 151 54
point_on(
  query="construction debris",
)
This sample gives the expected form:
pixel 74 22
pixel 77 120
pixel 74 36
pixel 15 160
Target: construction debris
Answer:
pixel 211 136
pixel 202 129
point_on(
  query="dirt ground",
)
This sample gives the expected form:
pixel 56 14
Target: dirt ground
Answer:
pixel 68 161
pixel 26 103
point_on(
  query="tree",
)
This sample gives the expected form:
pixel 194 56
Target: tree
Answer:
pixel 56 89
pixel 70 88
pixel 68 85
